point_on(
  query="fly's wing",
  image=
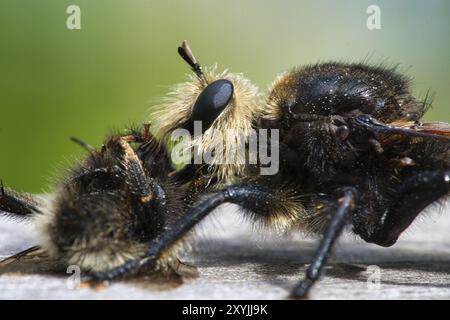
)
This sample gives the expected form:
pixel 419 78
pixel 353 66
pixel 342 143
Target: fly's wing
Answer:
pixel 30 252
pixel 394 130
pixel 436 130
pixel 30 261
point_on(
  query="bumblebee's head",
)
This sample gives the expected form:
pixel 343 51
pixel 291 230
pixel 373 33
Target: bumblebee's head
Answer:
pixel 220 101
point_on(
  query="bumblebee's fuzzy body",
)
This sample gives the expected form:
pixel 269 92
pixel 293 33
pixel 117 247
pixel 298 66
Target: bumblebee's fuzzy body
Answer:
pixel 108 208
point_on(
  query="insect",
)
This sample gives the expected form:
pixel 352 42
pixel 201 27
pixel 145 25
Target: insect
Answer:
pixel 353 153
pixel 107 209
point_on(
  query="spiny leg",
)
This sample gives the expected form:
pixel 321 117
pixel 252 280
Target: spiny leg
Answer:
pixel 15 204
pixel 18 206
pixel 138 180
pixel 142 135
pixel 131 165
pixel 130 168
pixel 98 173
pixel 135 176
pixel 248 197
pixel 339 212
pixel 83 144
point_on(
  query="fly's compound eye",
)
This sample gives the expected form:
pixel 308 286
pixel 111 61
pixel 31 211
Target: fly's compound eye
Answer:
pixel 211 102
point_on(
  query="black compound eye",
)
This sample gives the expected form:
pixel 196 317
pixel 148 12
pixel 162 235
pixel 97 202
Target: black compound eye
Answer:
pixel 211 102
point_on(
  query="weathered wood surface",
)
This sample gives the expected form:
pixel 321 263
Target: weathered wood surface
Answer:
pixel 235 263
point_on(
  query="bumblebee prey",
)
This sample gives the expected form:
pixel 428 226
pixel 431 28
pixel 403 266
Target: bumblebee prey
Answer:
pixel 107 209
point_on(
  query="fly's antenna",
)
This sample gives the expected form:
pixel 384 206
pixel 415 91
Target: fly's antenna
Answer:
pixel 186 53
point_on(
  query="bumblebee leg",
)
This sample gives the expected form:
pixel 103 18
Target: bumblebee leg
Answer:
pixel 248 197
pixel 136 136
pixel 130 167
pixel 86 146
pixel 135 176
pixel 415 194
pixel 339 213
pixel 99 173
pixel 142 136
pixel 17 205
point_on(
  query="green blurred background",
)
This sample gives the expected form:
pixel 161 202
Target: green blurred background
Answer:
pixel 56 83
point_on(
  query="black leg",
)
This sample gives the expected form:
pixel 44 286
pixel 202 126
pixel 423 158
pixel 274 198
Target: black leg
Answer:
pixel 415 194
pixel 246 196
pixel 99 173
pixel 185 175
pixel 17 205
pixel 339 212
pixel 130 169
